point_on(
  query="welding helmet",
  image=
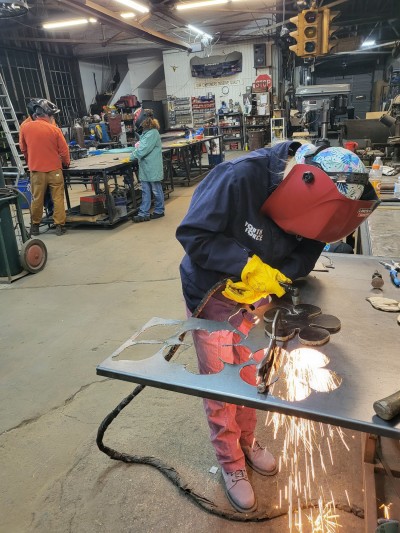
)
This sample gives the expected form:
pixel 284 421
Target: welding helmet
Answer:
pixel 42 106
pixel 139 116
pixel 325 196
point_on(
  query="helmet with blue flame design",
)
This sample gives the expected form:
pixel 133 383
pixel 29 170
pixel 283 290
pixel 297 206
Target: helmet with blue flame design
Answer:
pixel 325 196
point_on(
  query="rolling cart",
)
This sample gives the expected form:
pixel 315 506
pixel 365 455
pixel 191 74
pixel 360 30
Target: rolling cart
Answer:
pixel 19 254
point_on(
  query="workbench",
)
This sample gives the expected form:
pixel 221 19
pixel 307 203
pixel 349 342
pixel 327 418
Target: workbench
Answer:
pixel 364 353
pixel 101 172
pixel 380 233
pixel 186 157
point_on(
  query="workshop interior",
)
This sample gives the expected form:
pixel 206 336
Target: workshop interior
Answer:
pixel 97 352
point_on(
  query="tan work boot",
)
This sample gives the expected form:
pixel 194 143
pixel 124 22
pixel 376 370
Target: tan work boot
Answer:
pixel 239 491
pixel 260 459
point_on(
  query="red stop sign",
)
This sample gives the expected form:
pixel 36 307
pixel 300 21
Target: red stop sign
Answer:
pixel 263 83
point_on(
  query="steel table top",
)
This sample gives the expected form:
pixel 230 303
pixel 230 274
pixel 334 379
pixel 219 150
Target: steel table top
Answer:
pixel 98 163
pixel 364 353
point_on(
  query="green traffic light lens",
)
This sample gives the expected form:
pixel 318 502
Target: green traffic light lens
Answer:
pixel 310 32
pixel 310 17
pixel 309 48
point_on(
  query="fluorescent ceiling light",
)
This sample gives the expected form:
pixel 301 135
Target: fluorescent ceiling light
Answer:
pixel 367 42
pixel 134 5
pixel 205 3
pixel 200 32
pixel 128 15
pixel 66 23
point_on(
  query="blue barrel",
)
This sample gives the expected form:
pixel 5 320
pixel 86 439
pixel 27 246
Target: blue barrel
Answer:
pixel 24 186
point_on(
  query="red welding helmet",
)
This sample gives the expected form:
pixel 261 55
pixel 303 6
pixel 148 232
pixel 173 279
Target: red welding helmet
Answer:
pixel 315 203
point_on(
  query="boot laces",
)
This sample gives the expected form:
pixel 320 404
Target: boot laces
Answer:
pixel 239 474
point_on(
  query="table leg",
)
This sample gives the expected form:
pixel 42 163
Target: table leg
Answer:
pixel 369 452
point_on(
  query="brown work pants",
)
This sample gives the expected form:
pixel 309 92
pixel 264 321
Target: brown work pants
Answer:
pixel 39 183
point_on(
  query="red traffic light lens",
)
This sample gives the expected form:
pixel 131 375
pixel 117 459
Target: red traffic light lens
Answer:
pixel 309 47
pixel 310 32
pixel 310 17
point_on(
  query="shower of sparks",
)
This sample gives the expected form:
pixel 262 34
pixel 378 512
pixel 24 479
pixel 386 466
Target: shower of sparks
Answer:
pixel 301 372
pixel 385 510
pixel 326 519
pixel 305 443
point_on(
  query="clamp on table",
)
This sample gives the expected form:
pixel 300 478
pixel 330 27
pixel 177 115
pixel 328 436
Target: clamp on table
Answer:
pixel 266 365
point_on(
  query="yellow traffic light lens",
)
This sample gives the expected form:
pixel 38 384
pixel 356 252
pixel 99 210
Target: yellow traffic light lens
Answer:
pixel 310 17
pixel 309 48
pixel 310 32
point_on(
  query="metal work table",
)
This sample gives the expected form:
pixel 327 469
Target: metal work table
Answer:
pixel 364 353
pixel 186 157
pixel 380 233
pixel 101 172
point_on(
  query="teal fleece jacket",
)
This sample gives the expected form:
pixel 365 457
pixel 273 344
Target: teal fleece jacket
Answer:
pixel 149 155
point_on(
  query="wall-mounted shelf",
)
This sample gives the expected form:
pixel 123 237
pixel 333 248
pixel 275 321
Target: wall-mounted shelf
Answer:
pixel 179 111
pixel 203 109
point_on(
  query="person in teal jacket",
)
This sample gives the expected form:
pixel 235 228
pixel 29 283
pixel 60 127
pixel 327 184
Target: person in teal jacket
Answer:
pixel 148 152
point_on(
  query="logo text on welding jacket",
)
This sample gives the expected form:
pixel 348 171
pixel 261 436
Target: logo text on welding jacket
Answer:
pixel 364 212
pixel 254 233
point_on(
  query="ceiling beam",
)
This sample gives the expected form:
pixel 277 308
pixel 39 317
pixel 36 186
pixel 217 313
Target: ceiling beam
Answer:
pixel 112 18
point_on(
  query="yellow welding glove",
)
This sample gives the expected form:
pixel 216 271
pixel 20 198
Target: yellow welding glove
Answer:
pixel 125 160
pixel 258 281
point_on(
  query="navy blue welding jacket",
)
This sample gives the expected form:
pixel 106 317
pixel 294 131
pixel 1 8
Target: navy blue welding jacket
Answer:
pixel 224 225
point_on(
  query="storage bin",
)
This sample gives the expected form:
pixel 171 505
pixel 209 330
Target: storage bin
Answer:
pixel 215 159
pixel 24 186
pixel 92 205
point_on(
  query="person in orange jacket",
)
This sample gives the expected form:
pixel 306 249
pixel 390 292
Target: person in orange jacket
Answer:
pixel 46 152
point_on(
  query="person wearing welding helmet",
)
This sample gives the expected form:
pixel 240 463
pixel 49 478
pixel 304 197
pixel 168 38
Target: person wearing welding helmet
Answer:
pixel 46 153
pixel 148 151
pixel 255 222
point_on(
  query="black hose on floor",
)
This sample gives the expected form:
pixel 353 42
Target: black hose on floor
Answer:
pixel 170 472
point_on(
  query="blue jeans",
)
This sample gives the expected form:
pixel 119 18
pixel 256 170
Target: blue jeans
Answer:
pixel 147 188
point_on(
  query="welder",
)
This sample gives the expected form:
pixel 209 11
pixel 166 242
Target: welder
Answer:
pixel 46 152
pixel 258 221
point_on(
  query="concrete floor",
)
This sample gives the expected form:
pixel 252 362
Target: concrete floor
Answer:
pixel 99 287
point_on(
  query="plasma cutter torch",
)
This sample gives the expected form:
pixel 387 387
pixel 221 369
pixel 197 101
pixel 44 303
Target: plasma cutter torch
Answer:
pixel 293 291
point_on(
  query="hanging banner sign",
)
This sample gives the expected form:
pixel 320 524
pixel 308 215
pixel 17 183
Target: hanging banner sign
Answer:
pixel 216 83
pixel 262 84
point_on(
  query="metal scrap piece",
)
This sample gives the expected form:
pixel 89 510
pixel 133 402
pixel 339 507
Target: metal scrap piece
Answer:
pixel 313 327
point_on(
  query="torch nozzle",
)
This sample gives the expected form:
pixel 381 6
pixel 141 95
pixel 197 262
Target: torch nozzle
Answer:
pixel 293 291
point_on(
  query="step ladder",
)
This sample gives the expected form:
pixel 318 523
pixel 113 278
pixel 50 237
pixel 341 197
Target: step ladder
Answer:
pixel 10 126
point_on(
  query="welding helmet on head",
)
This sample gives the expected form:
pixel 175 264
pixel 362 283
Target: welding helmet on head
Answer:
pixel 42 106
pixel 139 116
pixel 325 196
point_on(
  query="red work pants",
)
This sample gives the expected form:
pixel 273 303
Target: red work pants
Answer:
pixel 231 426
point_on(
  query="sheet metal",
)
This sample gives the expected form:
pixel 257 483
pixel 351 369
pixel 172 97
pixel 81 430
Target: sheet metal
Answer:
pixel 364 353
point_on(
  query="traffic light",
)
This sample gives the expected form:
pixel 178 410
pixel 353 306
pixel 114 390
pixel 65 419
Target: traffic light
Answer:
pixel 327 29
pixel 312 32
pixel 308 33
pixel 298 48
